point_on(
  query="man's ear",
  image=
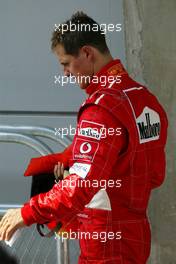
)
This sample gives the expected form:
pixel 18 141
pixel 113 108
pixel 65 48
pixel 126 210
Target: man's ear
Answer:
pixel 88 52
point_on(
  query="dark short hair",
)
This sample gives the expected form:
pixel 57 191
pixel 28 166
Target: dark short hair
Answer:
pixel 72 40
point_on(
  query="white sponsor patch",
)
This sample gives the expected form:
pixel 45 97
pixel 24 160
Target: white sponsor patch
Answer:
pixel 90 132
pixel 91 129
pixel 85 150
pixel 149 125
pixel 81 169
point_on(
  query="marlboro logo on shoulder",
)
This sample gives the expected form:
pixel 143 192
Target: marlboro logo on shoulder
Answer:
pixel 149 125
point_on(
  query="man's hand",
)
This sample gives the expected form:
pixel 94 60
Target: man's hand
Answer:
pixel 59 171
pixel 10 222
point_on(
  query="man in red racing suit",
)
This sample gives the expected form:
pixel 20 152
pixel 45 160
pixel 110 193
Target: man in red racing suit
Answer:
pixel 116 158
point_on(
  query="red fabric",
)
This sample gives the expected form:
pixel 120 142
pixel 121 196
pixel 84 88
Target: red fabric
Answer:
pixel 136 157
pixel 46 164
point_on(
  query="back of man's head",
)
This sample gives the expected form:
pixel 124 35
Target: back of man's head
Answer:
pixel 78 31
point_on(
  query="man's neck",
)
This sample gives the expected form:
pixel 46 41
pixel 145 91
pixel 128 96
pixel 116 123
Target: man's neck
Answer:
pixel 101 61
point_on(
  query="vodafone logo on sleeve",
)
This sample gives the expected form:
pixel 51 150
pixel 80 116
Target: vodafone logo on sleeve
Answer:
pixel 85 149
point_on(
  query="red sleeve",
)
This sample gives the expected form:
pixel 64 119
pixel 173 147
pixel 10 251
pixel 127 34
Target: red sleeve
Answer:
pixel 93 157
pixel 46 164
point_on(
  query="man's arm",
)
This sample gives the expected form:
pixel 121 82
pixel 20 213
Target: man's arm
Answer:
pixel 45 164
pixel 93 160
pixel 93 156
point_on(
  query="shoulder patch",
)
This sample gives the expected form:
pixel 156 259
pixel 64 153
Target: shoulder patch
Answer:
pixel 116 69
pixel 149 125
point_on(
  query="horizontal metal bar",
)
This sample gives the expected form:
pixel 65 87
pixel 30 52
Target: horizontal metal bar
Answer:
pixel 47 132
pixel 5 207
pixel 35 144
pixel 40 113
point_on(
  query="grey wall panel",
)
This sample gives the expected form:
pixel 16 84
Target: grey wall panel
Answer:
pixel 27 65
pixel 14 188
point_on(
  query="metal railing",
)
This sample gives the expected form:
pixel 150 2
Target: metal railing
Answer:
pixel 40 131
pixel 27 135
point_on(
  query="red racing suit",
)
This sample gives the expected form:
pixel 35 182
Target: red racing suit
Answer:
pixel 117 158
